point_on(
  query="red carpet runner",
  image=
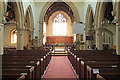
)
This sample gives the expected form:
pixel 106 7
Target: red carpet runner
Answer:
pixel 59 69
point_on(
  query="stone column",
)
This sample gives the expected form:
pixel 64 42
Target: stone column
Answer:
pixel 118 38
pixel 1 47
pixel 88 42
pixel 117 18
pixel 20 40
pixel 1 27
pixel 78 39
pixel 1 38
pixel 99 39
pixel 30 39
pixel 40 34
pixel 1 35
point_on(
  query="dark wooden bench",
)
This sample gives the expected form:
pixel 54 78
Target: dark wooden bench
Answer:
pixel 33 63
pixel 84 62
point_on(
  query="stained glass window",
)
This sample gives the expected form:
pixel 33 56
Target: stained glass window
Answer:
pixel 60 25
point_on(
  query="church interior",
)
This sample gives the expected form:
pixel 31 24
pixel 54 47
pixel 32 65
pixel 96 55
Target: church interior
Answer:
pixel 59 40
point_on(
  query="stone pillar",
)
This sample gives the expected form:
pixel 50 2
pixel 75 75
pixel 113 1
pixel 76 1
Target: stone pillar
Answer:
pixel 30 39
pixel 1 27
pixel 99 39
pixel 40 34
pixel 1 35
pixel 1 38
pixel 20 40
pixel 118 38
pixel 117 18
pixel 78 39
pixel 88 42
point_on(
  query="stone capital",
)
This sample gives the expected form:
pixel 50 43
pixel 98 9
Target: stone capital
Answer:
pixel 19 28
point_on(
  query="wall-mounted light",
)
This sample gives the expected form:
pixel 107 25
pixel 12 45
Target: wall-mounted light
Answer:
pixel 106 22
pixel 102 33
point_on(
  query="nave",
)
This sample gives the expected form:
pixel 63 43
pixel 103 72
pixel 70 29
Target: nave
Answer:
pixel 59 69
pixel 89 32
pixel 45 65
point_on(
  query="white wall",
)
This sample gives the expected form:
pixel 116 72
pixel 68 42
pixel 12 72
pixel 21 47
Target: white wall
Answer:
pixel 82 9
pixel 38 9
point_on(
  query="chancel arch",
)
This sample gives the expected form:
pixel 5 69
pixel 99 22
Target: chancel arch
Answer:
pixel 42 19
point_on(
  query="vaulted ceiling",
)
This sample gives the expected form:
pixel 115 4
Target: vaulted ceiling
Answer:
pixel 58 6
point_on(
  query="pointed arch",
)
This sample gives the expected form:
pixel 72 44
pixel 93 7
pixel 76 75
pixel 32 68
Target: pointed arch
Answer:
pixel 70 4
pixel 89 25
pixel 43 12
pixel 29 25
pixel 19 11
pixel 89 18
pixel 29 13
pixel 99 17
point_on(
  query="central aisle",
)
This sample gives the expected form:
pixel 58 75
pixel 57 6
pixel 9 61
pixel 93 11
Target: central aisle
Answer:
pixel 59 69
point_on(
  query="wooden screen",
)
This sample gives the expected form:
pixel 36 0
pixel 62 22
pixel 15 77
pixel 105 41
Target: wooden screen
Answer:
pixel 60 39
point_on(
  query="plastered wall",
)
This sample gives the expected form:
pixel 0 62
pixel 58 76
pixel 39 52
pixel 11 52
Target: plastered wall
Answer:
pixel 7 35
pixel 49 28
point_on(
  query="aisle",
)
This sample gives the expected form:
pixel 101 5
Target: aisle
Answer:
pixel 59 69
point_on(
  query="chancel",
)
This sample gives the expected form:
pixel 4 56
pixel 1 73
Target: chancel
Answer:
pixel 60 40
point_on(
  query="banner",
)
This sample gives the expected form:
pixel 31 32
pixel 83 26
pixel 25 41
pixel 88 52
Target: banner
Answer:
pixel 78 28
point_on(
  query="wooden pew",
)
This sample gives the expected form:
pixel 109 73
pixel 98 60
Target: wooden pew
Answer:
pixel 20 63
pixel 84 70
pixel 14 74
